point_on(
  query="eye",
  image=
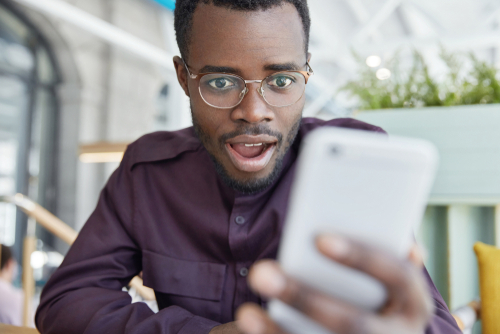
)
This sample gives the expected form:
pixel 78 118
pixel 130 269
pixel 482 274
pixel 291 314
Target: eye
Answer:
pixel 221 83
pixel 281 81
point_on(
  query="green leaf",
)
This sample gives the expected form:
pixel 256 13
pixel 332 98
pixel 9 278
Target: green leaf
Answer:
pixel 417 88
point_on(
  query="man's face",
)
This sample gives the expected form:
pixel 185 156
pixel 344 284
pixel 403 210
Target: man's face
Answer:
pixel 247 142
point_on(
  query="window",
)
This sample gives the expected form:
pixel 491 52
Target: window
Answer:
pixel 28 118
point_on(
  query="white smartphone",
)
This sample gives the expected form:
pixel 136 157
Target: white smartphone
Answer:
pixel 363 185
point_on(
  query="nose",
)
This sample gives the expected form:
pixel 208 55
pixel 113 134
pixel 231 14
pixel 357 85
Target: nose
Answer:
pixel 253 108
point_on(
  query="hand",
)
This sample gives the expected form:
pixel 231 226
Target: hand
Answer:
pixel 229 328
pixel 407 311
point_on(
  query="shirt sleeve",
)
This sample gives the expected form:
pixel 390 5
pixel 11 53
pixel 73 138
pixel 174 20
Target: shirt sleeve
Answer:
pixel 442 321
pixel 85 294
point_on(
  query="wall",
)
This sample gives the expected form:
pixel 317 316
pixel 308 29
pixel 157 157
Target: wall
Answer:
pixel 464 205
pixel 107 94
pixel 468 141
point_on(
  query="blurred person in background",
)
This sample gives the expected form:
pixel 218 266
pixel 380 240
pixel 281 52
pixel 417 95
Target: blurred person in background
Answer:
pixel 197 208
pixel 11 298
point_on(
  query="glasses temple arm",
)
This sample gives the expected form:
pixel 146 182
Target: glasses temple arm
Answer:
pixel 191 75
pixel 310 71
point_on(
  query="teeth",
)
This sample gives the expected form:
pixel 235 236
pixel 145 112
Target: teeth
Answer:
pixel 250 145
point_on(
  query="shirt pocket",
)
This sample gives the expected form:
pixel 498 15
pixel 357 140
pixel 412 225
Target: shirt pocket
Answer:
pixel 193 285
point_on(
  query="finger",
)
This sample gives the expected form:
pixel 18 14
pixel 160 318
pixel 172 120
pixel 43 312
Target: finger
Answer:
pixel 404 282
pixel 267 279
pixel 251 319
pixel 377 263
pixel 416 256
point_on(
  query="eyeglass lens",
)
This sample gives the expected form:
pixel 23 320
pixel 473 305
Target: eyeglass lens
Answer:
pixel 227 91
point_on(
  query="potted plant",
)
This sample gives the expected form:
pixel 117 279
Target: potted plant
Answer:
pixel 460 114
pixel 457 111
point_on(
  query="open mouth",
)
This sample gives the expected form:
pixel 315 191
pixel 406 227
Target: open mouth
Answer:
pixel 251 153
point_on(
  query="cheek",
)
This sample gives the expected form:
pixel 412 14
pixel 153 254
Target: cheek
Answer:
pixel 214 121
pixel 210 121
pixel 291 115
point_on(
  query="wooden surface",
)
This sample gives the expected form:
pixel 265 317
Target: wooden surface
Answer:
pixel 65 233
pixel 5 329
pixel 28 279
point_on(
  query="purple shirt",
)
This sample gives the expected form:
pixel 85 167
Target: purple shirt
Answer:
pixel 166 212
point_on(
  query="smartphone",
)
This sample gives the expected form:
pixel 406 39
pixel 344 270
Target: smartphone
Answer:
pixel 367 186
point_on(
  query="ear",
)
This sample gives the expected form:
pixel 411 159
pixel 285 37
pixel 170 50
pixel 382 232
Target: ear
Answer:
pixel 182 75
pixel 309 56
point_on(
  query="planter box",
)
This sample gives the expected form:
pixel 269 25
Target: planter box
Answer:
pixel 468 140
pixel 465 200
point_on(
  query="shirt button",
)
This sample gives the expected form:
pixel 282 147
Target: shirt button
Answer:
pixel 244 272
pixel 240 220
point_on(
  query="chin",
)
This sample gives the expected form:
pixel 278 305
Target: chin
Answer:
pixel 249 177
pixel 250 183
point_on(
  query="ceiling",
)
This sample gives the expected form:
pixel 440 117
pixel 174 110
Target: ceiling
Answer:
pixel 339 27
pixel 383 27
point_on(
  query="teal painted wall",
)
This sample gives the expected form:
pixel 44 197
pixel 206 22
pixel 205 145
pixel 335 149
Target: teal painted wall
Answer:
pixel 464 204
pixel 433 237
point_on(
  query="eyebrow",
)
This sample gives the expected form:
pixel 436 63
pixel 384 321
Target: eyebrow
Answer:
pixel 270 67
pixel 219 69
pixel 282 67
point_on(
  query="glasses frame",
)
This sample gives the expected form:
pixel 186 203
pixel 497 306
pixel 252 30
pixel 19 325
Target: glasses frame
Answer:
pixel 307 74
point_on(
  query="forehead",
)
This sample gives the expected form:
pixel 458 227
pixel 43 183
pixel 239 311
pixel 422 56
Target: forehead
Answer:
pixel 221 36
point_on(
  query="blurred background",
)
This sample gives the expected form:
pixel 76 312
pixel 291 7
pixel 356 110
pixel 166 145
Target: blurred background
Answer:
pixel 80 79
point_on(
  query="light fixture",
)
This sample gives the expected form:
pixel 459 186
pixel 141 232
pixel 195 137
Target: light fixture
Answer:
pixel 38 259
pixel 102 152
pixel 383 74
pixel 373 61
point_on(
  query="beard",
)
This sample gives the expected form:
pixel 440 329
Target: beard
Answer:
pixel 251 185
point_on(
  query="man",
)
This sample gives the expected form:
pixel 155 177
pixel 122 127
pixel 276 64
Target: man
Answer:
pixel 11 299
pixel 196 208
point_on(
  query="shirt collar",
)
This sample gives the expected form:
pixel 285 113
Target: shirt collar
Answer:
pixel 162 145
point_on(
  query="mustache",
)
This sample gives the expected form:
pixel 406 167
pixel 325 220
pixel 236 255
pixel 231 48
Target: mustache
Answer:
pixel 252 130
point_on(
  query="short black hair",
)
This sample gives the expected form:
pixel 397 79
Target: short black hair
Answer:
pixel 184 10
pixel 6 256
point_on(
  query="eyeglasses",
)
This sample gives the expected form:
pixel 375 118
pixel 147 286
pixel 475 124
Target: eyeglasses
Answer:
pixel 225 91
